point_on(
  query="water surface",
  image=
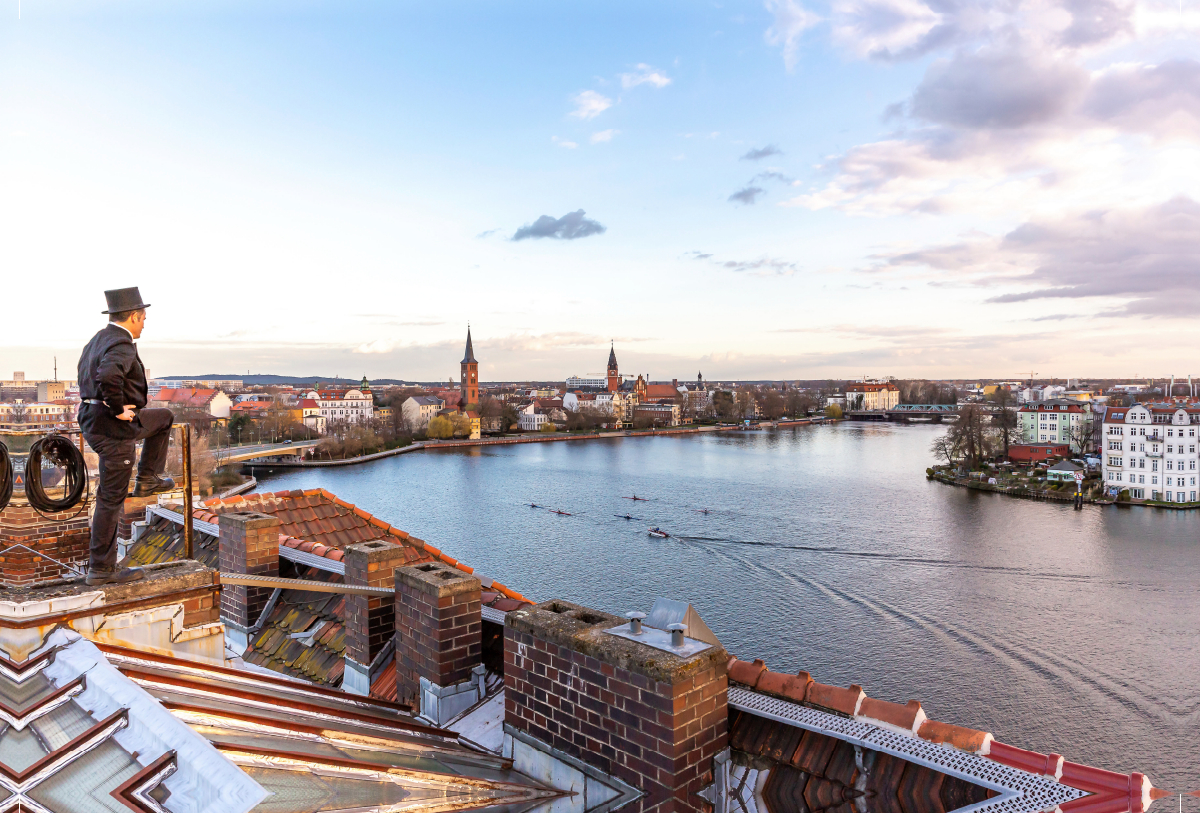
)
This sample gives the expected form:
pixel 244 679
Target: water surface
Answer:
pixel 826 549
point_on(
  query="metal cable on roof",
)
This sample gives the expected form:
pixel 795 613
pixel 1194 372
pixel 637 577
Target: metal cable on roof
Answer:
pixel 62 453
pixel 6 476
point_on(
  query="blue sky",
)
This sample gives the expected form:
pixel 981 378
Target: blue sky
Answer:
pixel 755 190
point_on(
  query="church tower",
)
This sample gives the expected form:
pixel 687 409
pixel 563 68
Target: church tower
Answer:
pixel 470 376
pixel 614 379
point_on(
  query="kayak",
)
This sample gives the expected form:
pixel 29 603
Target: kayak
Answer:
pixel 658 532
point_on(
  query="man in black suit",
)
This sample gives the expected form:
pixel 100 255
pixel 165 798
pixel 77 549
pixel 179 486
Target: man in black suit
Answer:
pixel 112 384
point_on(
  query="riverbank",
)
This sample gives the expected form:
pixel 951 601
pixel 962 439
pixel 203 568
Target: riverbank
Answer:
pixel 541 437
pixel 1015 491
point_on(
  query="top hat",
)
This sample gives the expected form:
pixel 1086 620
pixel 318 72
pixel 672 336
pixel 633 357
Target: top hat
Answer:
pixel 124 299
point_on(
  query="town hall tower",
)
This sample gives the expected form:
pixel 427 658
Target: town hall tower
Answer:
pixel 614 379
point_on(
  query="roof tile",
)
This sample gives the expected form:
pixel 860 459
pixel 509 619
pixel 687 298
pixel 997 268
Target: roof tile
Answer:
pixel 908 717
pixel 964 739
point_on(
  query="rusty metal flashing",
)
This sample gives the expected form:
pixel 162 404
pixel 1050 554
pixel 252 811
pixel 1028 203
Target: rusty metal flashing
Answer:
pixel 273 700
pixel 135 656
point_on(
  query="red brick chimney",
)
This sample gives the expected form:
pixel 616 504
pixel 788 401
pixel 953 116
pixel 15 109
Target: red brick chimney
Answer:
pixel 62 537
pixel 632 710
pixel 370 620
pixel 248 545
pixel 439 639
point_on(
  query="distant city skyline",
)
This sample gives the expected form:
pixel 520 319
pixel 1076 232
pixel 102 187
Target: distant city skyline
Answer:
pixel 759 190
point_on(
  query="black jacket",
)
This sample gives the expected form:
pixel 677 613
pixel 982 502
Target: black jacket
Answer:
pixel 111 371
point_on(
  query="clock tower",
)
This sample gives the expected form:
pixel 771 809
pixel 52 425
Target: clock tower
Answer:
pixel 469 385
pixel 614 378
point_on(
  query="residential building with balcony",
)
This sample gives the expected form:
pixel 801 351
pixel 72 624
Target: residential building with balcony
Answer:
pixel 1061 421
pixel 1150 449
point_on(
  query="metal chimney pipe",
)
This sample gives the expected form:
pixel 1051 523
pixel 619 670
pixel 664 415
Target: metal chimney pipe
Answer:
pixel 677 634
pixel 635 622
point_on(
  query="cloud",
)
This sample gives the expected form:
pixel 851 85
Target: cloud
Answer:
pixel 760 153
pixel 589 104
pixel 790 21
pixel 377 346
pixel 569 145
pixel 1162 99
pixel 762 267
pixel 890 30
pixel 1147 258
pixel 603 136
pixel 483 235
pixel 997 89
pixel 645 75
pixel 570 226
pixel 747 196
pixel 772 175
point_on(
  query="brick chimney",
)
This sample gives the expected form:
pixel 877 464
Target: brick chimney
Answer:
pixel 629 706
pixel 63 537
pixel 249 545
pixel 370 620
pixel 439 639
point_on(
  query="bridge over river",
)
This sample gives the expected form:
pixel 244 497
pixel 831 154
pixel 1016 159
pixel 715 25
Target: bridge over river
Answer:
pixel 907 412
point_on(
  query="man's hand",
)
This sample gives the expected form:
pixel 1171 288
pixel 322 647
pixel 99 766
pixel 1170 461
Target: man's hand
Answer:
pixel 128 414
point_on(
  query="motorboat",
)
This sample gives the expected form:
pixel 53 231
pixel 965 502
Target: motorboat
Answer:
pixel 658 532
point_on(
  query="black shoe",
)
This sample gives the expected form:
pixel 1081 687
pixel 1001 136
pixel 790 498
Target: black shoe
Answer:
pixel 125 575
pixel 145 486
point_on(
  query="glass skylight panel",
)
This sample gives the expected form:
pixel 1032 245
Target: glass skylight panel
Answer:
pixel 86 785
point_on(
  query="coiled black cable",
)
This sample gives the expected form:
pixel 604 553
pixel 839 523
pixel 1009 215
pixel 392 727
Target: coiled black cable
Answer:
pixel 61 452
pixel 6 476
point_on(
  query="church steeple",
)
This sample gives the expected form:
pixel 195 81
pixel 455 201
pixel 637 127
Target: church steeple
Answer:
pixel 469 356
pixel 469 383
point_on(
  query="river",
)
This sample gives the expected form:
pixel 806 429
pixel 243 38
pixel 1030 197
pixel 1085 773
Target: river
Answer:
pixel 826 549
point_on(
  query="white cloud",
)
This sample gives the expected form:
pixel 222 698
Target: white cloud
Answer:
pixel 570 145
pixel 791 20
pixel 603 136
pixel 377 346
pixel 589 104
pixel 645 75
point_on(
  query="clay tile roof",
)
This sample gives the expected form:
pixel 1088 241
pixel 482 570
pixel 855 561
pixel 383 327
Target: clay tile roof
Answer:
pixel 964 739
pixel 835 698
pixel 318 522
pixel 908 717
pixel 747 673
pixel 793 687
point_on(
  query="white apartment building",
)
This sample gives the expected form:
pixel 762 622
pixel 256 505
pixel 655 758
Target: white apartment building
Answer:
pixel 352 405
pixel 531 421
pixel 1150 449
pixel 587 382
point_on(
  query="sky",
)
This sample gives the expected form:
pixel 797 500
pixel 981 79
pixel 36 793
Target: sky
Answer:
pixel 751 190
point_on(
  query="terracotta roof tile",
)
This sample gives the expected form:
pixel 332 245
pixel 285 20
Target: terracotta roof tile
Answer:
pixel 908 717
pixel 964 739
pixel 747 673
pixel 835 698
pixel 793 687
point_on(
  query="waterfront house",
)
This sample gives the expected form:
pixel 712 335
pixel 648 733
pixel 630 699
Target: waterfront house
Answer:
pixel 1063 471
pixel 1150 449
pixel 872 396
pixel 1057 421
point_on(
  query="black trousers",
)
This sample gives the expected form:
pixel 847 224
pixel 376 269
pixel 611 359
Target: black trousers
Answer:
pixel 116 466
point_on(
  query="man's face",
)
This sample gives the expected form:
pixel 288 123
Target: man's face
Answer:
pixel 136 323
